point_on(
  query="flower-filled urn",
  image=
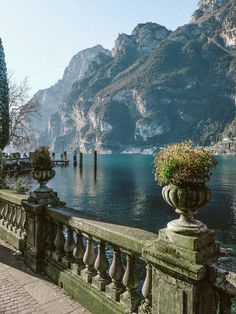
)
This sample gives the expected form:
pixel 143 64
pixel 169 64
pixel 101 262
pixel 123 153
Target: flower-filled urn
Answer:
pixel 42 168
pixel 185 169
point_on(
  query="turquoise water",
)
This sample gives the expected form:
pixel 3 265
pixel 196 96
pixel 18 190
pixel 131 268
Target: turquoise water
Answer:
pixel 124 191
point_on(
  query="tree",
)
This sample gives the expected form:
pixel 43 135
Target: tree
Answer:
pixel 4 101
pixel 22 110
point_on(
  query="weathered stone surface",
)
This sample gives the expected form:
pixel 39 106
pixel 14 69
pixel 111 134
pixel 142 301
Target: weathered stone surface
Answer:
pixel 13 238
pixel 123 236
pixel 12 197
pixel 224 274
pixel 183 269
pixel 35 241
pixel 180 277
pixel 184 254
pixel 175 296
pixel 90 297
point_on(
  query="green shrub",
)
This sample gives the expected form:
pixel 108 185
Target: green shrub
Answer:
pixel 21 187
pixel 182 164
pixel 40 159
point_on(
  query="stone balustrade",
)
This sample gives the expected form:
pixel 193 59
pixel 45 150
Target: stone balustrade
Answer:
pixel 103 256
pixel 111 268
pixel 13 218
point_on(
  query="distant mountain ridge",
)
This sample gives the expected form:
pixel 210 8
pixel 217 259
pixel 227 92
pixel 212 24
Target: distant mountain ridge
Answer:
pixel 51 98
pixel 154 87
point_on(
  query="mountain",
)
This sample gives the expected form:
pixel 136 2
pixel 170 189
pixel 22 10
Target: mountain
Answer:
pixel 51 98
pixel 157 87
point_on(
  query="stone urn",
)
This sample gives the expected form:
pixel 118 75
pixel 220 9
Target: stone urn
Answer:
pixel 43 176
pixel 186 202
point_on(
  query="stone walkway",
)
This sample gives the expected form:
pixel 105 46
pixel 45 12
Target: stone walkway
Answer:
pixel 22 291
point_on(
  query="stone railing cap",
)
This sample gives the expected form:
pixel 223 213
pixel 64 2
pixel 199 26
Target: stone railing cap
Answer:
pixel 12 196
pixel 224 274
pixel 129 238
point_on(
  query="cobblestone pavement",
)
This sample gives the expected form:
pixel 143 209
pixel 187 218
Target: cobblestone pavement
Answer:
pixel 22 291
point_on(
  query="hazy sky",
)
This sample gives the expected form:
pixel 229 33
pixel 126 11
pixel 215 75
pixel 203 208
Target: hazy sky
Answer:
pixel 41 36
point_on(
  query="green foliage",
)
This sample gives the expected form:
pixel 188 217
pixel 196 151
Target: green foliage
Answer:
pixel 21 187
pixel 40 159
pixel 183 165
pixel 4 101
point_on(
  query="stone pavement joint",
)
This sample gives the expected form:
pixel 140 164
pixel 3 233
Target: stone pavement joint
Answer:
pixel 22 291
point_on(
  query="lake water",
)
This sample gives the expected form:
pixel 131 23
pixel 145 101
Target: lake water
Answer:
pixel 124 191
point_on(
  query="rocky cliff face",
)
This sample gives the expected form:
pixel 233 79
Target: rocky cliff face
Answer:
pixel 73 118
pixel 80 65
pixel 221 14
pixel 159 87
pixel 144 38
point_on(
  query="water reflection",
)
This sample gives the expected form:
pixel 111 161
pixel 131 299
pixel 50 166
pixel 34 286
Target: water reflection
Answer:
pixel 123 190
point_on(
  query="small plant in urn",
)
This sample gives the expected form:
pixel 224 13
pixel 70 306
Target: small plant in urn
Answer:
pixel 42 167
pixel 185 169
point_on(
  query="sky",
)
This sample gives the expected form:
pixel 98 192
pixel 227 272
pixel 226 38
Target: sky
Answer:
pixel 40 37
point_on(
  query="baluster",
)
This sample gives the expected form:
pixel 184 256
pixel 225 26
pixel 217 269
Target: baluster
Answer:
pixel 69 248
pixel 14 218
pixel 8 213
pixel 4 211
pixel 59 243
pixel 116 273
pixel 101 265
pixel 146 307
pixel 89 259
pixel 50 237
pixel 9 225
pixel 130 280
pixel 18 222
pixel 225 303
pixel 78 254
pixel 11 218
pixel 2 207
pixel 23 221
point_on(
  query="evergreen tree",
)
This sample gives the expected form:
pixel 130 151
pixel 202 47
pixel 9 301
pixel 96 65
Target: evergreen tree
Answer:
pixel 4 101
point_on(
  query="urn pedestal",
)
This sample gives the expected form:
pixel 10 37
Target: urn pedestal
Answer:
pixel 186 202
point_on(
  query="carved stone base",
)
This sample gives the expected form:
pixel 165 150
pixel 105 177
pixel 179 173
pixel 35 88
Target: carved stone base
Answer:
pixel 56 257
pixel 87 275
pixel 114 292
pixel 14 229
pixel 100 283
pixel 77 267
pixel 192 249
pixel 189 228
pixel 67 261
pixel 45 198
pixel 130 300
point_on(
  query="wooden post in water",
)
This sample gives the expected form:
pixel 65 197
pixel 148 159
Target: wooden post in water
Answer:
pixel 75 159
pixel 65 155
pixel 81 161
pixel 95 159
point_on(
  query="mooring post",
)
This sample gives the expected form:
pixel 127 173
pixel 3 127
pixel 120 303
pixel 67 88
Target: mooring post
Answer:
pixel 65 155
pixel 81 160
pixel 53 155
pixel 75 159
pixel 95 159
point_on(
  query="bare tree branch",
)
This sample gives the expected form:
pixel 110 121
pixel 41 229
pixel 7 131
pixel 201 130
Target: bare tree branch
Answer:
pixel 22 110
